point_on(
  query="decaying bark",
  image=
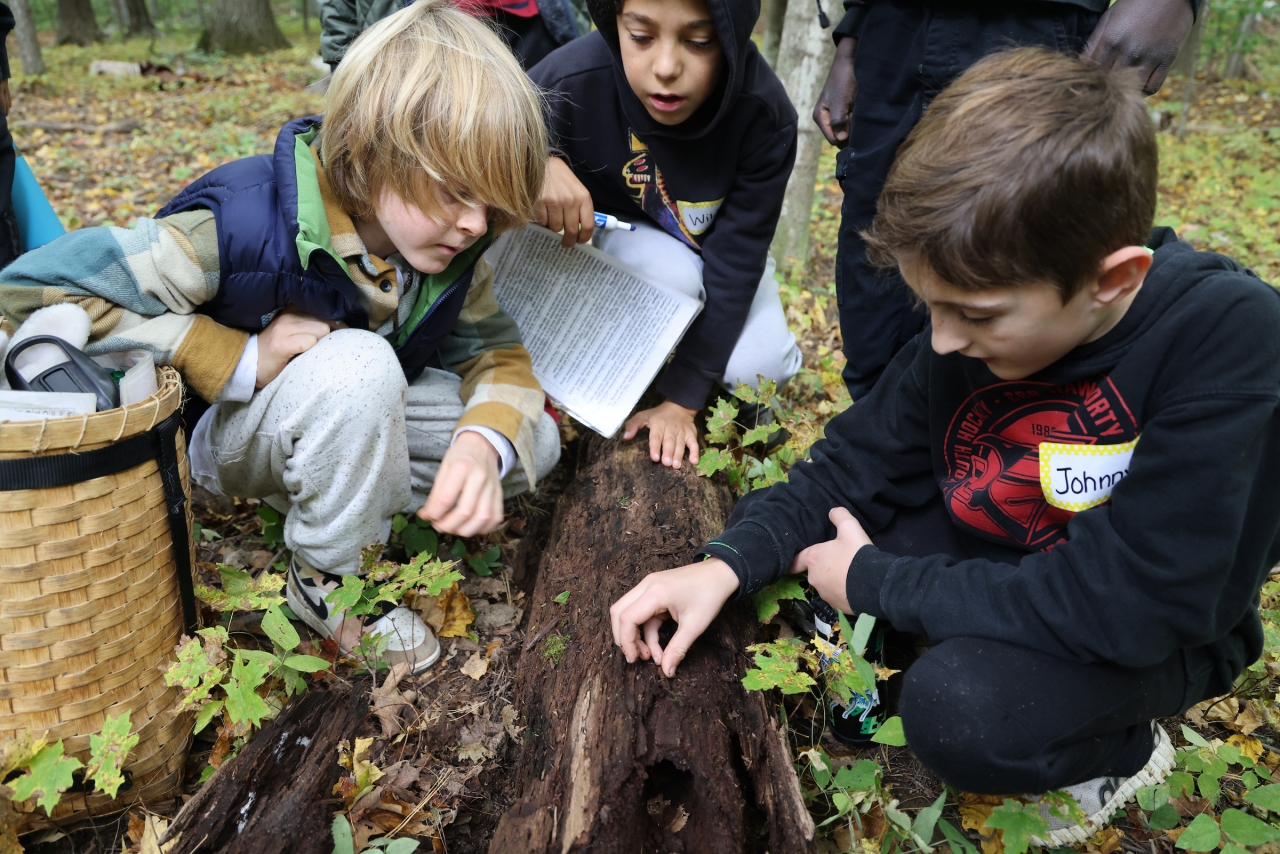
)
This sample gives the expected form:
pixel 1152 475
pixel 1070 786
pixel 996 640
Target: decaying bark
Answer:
pixel 276 795
pixel 616 758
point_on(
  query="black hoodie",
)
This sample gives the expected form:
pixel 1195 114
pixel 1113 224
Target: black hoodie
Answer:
pixel 1171 564
pixel 715 181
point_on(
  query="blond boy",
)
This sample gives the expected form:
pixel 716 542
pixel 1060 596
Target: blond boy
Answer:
pixel 330 300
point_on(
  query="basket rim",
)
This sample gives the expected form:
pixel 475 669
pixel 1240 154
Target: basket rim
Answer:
pixel 84 432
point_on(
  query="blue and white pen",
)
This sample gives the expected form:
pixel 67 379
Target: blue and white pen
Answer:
pixel 609 222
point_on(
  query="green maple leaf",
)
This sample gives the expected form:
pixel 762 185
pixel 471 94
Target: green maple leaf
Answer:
pixel 759 434
pixel 713 460
pixel 745 393
pixel 720 425
pixel 206 714
pixel 107 754
pixel 50 774
pixel 248 672
pixel 348 595
pixel 766 601
pixel 1018 821
pixel 199 667
pixel 779 664
pixel 279 629
pixel 242 592
pixel 561 598
pixel 890 733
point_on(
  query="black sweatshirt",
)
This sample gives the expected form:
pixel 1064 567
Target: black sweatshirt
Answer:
pixel 715 181
pixel 1173 562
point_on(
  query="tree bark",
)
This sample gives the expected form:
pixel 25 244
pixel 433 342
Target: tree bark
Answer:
pixel 1188 54
pixel 77 24
pixel 775 12
pixel 804 58
pixel 28 45
pixel 242 26
pixel 616 758
pixel 138 19
pixel 275 796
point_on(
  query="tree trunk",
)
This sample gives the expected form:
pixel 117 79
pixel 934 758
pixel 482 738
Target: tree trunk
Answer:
pixel 77 24
pixel 139 21
pixel 775 12
pixel 804 58
pixel 242 26
pixel 28 45
pixel 276 795
pixel 1191 49
pixel 1234 66
pixel 616 758
pixel 1186 54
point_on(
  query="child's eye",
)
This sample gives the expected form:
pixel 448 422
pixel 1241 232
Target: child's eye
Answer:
pixel 697 45
pixel 975 321
pixel 640 39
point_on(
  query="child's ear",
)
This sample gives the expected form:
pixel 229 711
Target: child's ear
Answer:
pixel 1121 273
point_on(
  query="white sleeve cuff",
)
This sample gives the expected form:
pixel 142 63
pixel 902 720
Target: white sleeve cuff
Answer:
pixel 501 444
pixel 244 380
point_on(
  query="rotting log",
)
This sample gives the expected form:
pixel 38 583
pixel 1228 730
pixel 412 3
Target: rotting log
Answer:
pixel 276 795
pixel 615 757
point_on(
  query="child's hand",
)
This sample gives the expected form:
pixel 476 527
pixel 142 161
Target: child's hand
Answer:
pixel 565 204
pixel 466 498
pixel 290 333
pixel 828 563
pixel 671 431
pixel 691 595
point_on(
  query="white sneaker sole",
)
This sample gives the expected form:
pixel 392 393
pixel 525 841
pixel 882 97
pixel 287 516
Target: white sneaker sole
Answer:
pixel 1158 767
pixel 420 655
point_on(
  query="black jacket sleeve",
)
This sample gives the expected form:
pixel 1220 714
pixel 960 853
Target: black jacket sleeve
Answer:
pixel 6 27
pixel 855 11
pixel 734 256
pixel 1176 558
pixel 875 458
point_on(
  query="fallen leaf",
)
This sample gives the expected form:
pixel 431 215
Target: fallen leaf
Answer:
pixel 492 616
pixel 389 703
pixel 1248 720
pixel 476 667
pixel 473 752
pixel 1106 841
pixel 974 810
pixel 152 832
pixel 509 717
pixel 1225 709
pixel 458 615
pixel 1248 745
pixel 491 647
pixel 681 819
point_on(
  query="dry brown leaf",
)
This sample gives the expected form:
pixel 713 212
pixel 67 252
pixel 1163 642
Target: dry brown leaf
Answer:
pixel 476 667
pixel 152 832
pixel 1248 720
pixel 974 810
pixel 388 702
pixel 221 747
pixel 491 647
pixel 509 717
pixel 681 819
pixel 494 616
pixel 1225 709
pixel 473 752
pixel 1248 745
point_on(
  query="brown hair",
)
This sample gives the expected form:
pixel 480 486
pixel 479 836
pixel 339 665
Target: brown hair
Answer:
pixel 430 101
pixel 1031 167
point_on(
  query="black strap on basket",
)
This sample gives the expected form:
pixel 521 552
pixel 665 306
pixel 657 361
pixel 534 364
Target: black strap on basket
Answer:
pixel 159 444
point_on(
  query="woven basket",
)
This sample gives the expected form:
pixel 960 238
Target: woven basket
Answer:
pixel 91 596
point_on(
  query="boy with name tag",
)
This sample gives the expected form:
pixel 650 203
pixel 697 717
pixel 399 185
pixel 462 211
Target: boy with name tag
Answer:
pixel 1067 483
pixel 668 117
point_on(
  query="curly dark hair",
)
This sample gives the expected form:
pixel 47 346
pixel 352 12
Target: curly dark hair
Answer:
pixel 605 13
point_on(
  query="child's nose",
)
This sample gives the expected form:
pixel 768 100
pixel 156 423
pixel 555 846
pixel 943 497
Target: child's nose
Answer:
pixel 666 65
pixel 474 220
pixel 945 338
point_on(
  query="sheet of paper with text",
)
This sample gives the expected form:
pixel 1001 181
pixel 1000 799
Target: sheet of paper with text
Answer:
pixel 598 330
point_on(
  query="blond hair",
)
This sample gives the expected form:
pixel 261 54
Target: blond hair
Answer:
pixel 430 103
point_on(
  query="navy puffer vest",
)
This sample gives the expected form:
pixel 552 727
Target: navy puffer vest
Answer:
pixel 255 206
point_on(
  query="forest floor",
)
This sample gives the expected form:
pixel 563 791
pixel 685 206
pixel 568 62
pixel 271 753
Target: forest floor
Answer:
pixel 446 774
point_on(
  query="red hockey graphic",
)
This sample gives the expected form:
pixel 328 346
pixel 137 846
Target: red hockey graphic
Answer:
pixel 992 453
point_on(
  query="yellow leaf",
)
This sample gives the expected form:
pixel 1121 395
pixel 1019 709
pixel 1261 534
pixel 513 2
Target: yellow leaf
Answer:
pixel 1249 746
pixel 974 810
pixel 453 610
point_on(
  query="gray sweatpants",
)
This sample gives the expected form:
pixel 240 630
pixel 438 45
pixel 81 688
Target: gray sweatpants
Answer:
pixel 346 443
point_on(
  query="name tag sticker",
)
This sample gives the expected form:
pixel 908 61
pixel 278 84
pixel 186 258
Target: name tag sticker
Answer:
pixel 1077 477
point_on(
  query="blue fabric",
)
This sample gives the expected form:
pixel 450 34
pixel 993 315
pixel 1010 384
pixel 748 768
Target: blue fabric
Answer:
pixel 255 205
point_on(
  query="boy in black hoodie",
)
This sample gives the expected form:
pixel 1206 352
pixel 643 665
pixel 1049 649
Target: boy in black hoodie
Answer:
pixel 1068 481
pixel 668 113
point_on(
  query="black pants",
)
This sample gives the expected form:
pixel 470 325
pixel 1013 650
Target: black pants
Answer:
pixel 908 51
pixel 10 242
pixel 994 718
